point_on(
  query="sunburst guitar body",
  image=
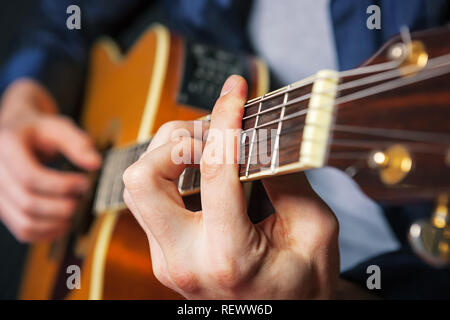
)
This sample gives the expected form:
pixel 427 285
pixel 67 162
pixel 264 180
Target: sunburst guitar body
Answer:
pixel 128 98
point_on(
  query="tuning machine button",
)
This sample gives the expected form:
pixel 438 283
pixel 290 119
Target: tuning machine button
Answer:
pixel 431 239
pixel 393 164
pixel 397 51
pixel 412 56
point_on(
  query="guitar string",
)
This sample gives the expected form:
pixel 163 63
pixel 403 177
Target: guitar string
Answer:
pixel 407 136
pixel 433 63
pixel 352 72
pixel 358 144
pixel 344 86
pixel 348 155
pixel 363 93
pixel 370 91
pixel 393 84
pixel 379 131
pixel 117 160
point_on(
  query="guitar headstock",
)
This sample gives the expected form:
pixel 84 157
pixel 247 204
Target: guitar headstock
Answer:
pixel 386 124
pixel 392 130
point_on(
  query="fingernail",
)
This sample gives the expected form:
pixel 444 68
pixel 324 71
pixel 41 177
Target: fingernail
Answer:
pixel 229 85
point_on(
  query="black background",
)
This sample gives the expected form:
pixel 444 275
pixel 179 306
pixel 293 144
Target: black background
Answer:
pixel 13 14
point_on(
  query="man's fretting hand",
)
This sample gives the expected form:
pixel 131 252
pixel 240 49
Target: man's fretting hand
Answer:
pixel 218 253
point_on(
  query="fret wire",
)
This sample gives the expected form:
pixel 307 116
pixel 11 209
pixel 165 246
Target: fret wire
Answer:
pixel 289 117
pixel 110 185
pixel 196 179
pixel 192 178
pixel 109 178
pixel 102 192
pixel 129 160
pixel 181 179
pixel 267 96
pixel 253 140
pixel 99 195
pixel 270 95
pixel 242 146
pixel 126 157
pixel 287 104
pixel 277 139
pixel 286 132
pixel 281 105
pixel 116 181
pixel 121 168
pixel 193 184
pixel 279 150
pixel 297 114
pixel 131 156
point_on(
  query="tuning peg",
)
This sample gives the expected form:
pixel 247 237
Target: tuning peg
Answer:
pixel 431 239
pixel 411 55
pixel 393 164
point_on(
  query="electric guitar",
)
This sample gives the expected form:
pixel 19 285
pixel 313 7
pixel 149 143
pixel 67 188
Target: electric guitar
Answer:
pixel 384 123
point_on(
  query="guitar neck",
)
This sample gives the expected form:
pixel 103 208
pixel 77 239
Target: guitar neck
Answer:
pixel 279 135
pixel 296 128
pixel 283 131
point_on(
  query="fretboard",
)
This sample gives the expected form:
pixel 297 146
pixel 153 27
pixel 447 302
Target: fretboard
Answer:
pixel 283 131
pixel 110 185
